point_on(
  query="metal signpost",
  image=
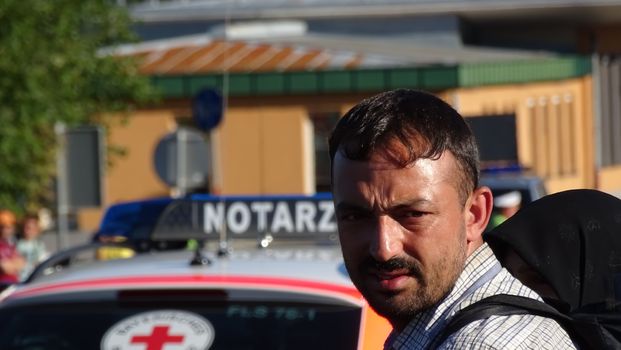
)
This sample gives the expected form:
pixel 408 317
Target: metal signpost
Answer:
pixel 182 160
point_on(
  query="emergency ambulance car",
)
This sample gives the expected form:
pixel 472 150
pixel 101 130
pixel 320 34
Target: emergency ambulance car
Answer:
pixel 261 274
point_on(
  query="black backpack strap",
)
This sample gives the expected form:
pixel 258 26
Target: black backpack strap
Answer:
pixel 497 305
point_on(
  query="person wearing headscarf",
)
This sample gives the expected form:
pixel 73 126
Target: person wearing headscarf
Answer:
pixel 567 247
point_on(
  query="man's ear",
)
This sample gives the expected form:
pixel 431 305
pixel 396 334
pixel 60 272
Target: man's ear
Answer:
pixel 478 211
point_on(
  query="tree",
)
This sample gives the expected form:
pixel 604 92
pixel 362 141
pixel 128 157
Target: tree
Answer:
pixel 51 71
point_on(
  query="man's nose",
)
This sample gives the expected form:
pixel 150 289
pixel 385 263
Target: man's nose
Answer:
pixel 386 242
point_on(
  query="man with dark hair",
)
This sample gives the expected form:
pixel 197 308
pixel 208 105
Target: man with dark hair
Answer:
pixel 410 214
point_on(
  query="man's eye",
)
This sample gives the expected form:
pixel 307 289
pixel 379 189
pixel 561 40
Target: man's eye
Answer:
pixel 351 216
pixel 411 214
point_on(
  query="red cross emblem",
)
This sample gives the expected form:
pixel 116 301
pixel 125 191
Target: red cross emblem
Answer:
pixel 158 338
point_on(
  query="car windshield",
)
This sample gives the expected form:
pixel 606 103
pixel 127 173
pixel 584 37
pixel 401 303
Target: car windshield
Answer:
pixel 234 325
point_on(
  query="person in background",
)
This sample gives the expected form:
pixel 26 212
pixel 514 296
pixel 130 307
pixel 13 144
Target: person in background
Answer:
pixel 505 206
pixel 30 246
pixel 11 262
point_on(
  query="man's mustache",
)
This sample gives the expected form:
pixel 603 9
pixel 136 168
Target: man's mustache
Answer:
pixel 395 263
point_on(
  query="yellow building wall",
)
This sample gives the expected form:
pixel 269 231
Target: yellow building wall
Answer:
pixel 265 145
pixel 238 142
pixel 288 150
pixel 609 179
pixel 554 126
pixel 264 150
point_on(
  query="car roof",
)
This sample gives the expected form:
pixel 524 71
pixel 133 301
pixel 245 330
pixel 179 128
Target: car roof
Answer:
pixel 279 261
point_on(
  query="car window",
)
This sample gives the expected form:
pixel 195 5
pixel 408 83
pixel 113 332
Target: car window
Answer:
pixel 236 325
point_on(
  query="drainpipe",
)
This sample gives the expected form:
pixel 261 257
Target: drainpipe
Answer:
pixel 597 116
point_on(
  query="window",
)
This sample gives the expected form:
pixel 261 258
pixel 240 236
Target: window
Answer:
pixel 323 123
pixel 496 137
pixel 237 324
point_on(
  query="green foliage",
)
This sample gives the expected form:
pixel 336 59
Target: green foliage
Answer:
pixel 51 71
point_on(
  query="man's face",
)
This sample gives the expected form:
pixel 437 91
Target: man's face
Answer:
pixel 402 231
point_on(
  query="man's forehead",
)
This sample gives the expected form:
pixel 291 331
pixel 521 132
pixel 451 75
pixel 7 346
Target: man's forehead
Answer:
pixel 442 168
pixel 375 162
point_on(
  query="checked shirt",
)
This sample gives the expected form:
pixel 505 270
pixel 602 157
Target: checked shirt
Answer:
pixel 482 277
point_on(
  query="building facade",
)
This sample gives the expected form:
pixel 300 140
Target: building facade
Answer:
pixel 548 78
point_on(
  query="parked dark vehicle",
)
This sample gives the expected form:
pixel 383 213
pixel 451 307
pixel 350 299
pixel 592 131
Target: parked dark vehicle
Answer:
pixel 531 187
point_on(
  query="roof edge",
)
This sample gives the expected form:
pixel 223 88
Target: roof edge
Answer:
pixel 431 77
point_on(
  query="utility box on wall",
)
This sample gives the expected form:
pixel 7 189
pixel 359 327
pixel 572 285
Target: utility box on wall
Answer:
pixel 85 156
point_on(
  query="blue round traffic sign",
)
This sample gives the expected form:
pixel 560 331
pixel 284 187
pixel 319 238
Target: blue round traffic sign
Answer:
pixel 207 109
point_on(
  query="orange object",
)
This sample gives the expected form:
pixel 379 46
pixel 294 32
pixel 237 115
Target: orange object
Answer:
pixel 7 218
pixel 374 330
